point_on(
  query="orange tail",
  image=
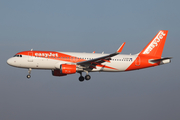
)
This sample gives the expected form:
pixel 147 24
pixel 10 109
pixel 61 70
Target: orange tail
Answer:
pixel 156 45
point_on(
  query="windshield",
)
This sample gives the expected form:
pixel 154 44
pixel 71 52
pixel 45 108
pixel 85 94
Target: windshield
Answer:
pixel 17 56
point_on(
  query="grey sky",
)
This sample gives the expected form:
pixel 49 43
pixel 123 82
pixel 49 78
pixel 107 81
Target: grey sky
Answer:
pixel 87 26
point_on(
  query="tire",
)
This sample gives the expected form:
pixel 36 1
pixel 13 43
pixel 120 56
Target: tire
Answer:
pixel 28 76
pixel 81 78
pixel 87 77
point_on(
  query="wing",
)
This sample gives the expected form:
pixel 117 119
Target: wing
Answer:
pixel 97 61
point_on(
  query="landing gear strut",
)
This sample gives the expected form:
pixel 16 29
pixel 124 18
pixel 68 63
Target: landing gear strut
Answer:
pixel 29 73
pixel 81 78
pixel 87 77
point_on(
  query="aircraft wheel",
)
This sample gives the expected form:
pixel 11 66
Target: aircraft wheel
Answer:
pixel 87 77
pixel 81 78
pixel 28 76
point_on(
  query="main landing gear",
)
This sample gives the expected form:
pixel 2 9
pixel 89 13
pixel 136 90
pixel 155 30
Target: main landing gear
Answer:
pixel 29 73
pixel 87 77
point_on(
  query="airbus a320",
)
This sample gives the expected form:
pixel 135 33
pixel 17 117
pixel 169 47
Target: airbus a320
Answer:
pixel 66 63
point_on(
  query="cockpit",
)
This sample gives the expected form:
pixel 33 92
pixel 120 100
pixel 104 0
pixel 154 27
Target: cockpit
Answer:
pixel 17 56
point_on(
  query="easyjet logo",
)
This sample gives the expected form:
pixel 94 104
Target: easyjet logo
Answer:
pixel 155 42
pixel 47 54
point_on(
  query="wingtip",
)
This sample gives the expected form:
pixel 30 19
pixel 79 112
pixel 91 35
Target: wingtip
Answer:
pixel 121 47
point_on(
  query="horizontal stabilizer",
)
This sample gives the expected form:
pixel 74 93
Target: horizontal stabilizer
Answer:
pixel 159 60
pixel 162 60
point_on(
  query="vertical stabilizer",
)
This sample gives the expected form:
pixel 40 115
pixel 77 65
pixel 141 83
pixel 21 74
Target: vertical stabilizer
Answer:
pixel 156 45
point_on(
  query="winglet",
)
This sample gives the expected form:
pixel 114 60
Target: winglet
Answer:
pixel 121 47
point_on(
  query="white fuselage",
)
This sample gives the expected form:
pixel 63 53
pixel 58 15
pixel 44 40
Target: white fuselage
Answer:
pixel 119 62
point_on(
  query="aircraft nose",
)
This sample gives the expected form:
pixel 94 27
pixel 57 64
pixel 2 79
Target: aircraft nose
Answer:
pixel 10 61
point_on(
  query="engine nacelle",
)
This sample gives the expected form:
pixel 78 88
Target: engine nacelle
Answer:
pixel 57 73
pixel 67 69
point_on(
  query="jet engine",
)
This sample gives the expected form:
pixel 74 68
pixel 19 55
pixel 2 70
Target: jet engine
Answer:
pixel 67 69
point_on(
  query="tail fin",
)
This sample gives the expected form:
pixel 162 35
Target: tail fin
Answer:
pixel 156 45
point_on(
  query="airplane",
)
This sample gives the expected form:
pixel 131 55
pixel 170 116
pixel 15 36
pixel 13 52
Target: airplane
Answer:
pixel 66 63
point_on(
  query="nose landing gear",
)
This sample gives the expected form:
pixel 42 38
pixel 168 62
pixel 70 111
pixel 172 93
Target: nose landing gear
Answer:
pixel 29 73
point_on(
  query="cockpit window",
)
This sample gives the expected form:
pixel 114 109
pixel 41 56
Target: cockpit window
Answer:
pixel 17 56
